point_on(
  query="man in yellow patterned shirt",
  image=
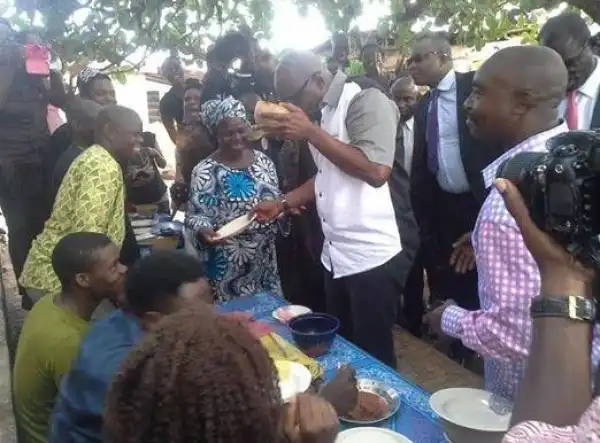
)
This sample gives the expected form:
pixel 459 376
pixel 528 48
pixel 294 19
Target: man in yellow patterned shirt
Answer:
pixel 90 198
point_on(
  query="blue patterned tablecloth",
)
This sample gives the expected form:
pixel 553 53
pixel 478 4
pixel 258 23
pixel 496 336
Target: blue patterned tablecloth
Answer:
pixel 415 419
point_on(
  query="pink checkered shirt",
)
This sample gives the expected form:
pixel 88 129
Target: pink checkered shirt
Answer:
pixel 587 431
pixel 508 279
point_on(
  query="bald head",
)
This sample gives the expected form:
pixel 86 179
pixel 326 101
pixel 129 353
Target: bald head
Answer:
pixel 119 130
pixel 536 72
pixel 119 116
pixel 406 82
pixel 515 94
pixel 83 114
pixel 405 95
pixel 294 69
pixel 83 109
pixel 302 78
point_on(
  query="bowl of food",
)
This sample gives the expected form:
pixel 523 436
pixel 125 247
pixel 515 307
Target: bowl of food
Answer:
pixel 376 402
pixel 314 332
pixel 472 415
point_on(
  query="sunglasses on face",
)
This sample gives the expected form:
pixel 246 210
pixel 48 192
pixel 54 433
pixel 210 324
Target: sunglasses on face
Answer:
pixel 296 95
pixel 418 58
pixel 574 61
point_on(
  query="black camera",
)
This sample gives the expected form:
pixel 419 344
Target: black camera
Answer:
pixel 561 189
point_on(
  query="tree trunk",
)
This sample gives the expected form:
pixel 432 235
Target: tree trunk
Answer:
pixel 590 7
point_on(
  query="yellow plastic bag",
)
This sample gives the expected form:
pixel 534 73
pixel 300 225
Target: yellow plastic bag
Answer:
pixel 280 349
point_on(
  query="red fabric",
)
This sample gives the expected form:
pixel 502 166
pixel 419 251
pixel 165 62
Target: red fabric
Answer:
pixel 572 113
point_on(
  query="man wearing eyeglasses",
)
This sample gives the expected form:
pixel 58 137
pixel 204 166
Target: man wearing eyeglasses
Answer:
pixel 569 35
pixel 446 183
pixel 353 148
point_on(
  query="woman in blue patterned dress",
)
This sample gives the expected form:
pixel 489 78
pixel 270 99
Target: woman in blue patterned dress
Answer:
pixel 227 185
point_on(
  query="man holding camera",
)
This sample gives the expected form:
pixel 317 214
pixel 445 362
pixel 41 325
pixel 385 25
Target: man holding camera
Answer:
pixel 555 400
pixel 515 98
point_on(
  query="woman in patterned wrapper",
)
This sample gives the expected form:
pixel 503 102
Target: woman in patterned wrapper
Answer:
pixel 227 185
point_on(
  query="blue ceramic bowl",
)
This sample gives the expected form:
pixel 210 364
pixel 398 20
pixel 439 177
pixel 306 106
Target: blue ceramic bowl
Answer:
pixel 314 332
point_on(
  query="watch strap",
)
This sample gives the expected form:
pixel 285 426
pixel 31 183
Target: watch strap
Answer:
pixel 571 307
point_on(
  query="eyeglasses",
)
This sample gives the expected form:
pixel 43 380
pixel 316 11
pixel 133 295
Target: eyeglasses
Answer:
pixel 573 61
pixel 296 95
pixel 418 58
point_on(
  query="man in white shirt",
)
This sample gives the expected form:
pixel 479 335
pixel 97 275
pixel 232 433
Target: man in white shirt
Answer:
pixel 353 148
pixel 569 35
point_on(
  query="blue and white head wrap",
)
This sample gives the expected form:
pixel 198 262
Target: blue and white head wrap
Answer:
pixel 214 112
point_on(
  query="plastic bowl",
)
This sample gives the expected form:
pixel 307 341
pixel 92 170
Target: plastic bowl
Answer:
pixel 314 332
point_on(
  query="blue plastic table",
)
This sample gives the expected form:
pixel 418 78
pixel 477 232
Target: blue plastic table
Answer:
pixel 415 419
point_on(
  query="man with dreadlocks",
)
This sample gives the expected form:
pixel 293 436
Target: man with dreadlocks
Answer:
pixel 203 378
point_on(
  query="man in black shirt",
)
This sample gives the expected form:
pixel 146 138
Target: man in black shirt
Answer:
pixel 171 105
pixel 82 118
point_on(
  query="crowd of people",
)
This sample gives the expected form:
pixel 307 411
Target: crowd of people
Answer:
pixel 359 189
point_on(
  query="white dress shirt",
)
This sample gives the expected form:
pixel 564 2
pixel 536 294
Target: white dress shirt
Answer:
pixel 451 173
pixel 408 137
pixel 586 97
pixel 358 220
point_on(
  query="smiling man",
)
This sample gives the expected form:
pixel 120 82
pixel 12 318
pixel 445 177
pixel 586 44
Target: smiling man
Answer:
pixel 353 148
pixel 569 35
pixel 515 97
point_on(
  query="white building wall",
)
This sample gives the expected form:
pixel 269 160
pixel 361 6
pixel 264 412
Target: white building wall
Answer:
pixel 133 94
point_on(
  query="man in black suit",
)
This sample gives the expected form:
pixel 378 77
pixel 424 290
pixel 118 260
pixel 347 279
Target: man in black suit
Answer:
pixel 446 183
pixel 569 35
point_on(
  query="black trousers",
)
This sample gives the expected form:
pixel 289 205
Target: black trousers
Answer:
pixel 366 305
pixel 456 215
pixel 413 304
pixel 25 207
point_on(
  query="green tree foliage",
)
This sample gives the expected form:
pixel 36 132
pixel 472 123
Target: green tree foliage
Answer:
pixel 474 22
pixel 111 31
pixel 471 22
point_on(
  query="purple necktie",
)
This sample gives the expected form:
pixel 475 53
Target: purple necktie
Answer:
pixel 433 133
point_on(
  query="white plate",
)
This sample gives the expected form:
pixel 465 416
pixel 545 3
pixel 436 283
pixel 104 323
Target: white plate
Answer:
pixel 473 409
pixel 371 435
pixel 294 378
pixel 142 223
pixel 286 313
pixel 235 226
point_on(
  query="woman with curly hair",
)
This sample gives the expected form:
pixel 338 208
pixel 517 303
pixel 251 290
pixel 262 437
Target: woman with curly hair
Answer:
pixel 201 377
pixel 227 185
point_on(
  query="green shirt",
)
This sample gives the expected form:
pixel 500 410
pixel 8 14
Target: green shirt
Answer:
pixel 48 343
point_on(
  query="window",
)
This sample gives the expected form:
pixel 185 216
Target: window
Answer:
pixel 153 99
